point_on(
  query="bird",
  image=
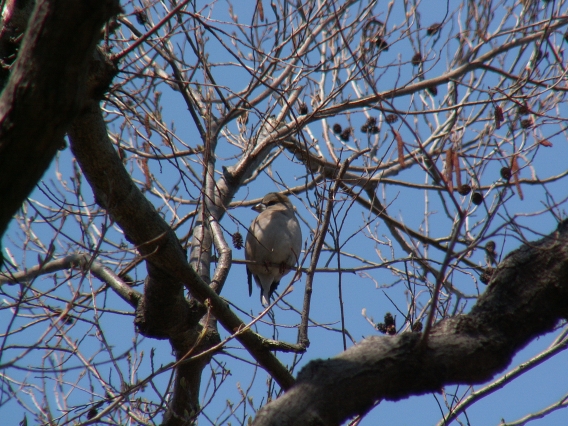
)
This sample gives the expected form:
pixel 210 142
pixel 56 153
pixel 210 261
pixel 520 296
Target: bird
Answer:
pixel 274 242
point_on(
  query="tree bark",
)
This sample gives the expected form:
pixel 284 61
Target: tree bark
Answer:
pixel 163 312
pixel 45 91
pixel 526 297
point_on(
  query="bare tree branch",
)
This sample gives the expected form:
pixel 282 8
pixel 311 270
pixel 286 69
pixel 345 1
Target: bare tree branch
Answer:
pixel 45 91
pixel 156 241
pixel 526 298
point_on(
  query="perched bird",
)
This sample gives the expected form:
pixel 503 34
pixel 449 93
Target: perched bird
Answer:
pixel 274 241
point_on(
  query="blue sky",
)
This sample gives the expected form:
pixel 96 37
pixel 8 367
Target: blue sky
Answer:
pixel 376 292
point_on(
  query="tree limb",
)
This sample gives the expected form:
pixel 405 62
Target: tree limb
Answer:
pixel 44 93
pixel 527 296
pixel 76 260
pixel 154 239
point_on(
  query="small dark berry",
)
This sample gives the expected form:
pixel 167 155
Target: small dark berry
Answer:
pixel 337 128
pixel 389 319
pixel 506 173
pixel 373 130
pixel 381 43
pixel 92 413
pixel 417 327
pixel 391 118
pixel 486 275
pixel 303 109
pixel 416 59
pixel 476 198
pixel 527 123
pixel 344 136
pixel 65 318
pixel 141 16
pixel 433 90
pixel 381 327
pixel 433 29
pixel 523 109
pixel 364 128
pixel 371 121
pixel 391 330
pixel 464 189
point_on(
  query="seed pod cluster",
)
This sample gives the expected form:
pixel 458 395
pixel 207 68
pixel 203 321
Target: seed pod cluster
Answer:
pixel 527 123
pixel 389 325
pixel 523 109
pixel 237 240
pixel 346 134
pixel 370 126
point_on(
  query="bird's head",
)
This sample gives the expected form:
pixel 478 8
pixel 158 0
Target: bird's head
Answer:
pixel 273 199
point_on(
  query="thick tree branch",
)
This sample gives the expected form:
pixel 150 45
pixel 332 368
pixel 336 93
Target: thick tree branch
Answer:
pixel 45 91
pixel 143 226
pixel 526 297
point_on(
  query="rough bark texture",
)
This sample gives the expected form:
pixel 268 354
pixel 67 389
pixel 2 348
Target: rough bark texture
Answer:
pixel 164 312
pixel 527 296
pixel 45 92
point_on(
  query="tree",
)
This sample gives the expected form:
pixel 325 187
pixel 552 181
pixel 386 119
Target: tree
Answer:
pixel 423 145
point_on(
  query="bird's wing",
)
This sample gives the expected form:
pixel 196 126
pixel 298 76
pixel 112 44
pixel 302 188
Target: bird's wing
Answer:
pixel 249 279
pixel 295 239
pixel 250 252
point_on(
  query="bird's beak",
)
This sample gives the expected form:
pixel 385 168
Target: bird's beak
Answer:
pixel 259 207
